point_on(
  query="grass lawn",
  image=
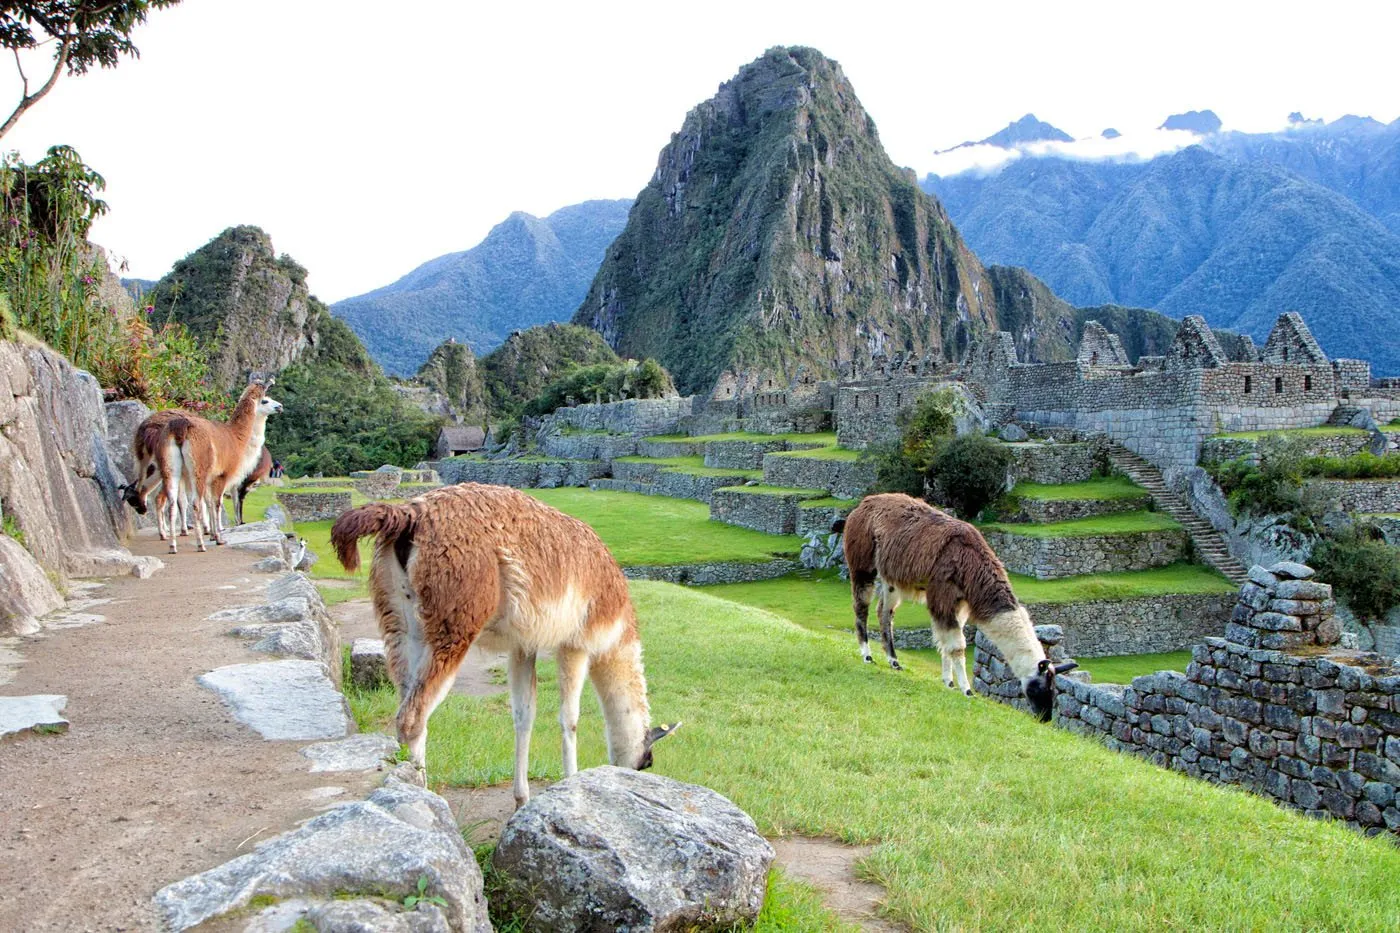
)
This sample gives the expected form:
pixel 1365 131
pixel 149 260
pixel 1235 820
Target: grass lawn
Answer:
pixel 822 453
pixel 1122 669
pixel 982 818
pixel 828 502
pixel 1113 487
pixel 822 438
pixel 1180 579
pixel 1119 523
pixel 1325 430
pixel 762 490
pixel 656 530
pixel 687 461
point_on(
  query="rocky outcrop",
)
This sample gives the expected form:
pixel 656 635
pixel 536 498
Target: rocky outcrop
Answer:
pixel 367 856
pixel 58 480
pixel 616 849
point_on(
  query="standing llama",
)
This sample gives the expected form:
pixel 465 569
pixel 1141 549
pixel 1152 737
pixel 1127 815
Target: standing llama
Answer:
pixel 147 447
pixel 900 548
pixel 261 471
pixel 489 565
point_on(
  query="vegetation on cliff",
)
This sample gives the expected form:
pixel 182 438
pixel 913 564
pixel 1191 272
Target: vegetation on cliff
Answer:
pixel 603 382
pixel 524 366
pixel 452 371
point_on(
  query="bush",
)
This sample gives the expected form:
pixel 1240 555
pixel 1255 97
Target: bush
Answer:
pixel 1363 465
pixel 603 382
pixel 1363 571
pixel 1273 486
pixel 969 472
pixel 926 425
pixel 894 471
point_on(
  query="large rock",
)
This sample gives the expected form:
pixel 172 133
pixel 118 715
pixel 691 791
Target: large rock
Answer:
pixel 369 665
pixel 281 699
pixel 378 847
pixel 40 711
pixel 57 477
pixel 615 849
pixel 366 752
pixel 26 592
pixel 293 623
pixel 122 420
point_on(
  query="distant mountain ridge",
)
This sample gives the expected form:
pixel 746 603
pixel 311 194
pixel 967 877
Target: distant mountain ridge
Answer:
pixel 1238 229
pixel 527 271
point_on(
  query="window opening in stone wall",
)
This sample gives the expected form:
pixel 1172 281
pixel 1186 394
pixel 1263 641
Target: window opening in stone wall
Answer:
pixel 877 401
pixel 1278 384
pixel 1307 383
pixel 1246 385
pixel 1285 354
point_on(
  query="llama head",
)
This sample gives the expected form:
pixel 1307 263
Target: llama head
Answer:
pixel 133 495
pixel 1039 689
pixel 268 406
pixel 654 734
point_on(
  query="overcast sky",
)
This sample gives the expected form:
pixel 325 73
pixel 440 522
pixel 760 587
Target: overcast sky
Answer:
pixel 367 143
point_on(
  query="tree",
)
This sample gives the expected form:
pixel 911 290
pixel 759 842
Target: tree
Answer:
pixel 971 472
pixel 85 33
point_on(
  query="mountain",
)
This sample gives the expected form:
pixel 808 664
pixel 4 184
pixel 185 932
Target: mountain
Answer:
pixel 529 360
pixel 777 234
pixel 1200 122
pixel 1238 229
pixel 1025 130
pixel 527 271
pixel 246 303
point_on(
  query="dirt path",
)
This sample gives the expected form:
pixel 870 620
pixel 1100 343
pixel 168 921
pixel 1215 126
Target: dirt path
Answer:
pixel 829 866
pixel 154 780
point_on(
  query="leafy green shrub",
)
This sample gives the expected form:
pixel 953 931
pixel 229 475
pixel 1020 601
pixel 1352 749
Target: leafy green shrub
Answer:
pixel 894 471
pixel 970 473
pixel 603 382
pixel 1363 465
pixel 925 425
pixel 1273 486
pixel 1363 571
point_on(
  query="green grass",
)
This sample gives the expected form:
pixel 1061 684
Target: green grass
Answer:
pixel 657 530
pixel 1119 523
pixel 828 502
pixel 762 490
pixel 296 490
pixel 693 460
pixel 821 438
pixel 1122 669
pixel 822 453
pixel 1174 579
pixel 981 817
pixel 1322 431
pixel 715 471
pixel 1113 487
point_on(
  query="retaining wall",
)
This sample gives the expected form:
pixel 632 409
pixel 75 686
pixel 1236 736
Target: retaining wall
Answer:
pixel 1361 495
pixel 740 455
pixel 1314 727
pixel 522 474
pixel 314 506
pixel 376 484
pixel 773 513
pixel 1053 464
pixel 818 519
pixel 1044 511
pixel 714 572
pixel 1053 558
pixel 1107 628
pixel 592 446
pixel 844 479
pixel 1221 449
pixel 638 417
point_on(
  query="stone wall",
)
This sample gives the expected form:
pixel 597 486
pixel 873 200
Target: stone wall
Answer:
pixel 588 446
pixel 522 474
pixel 1273 707
pixel 740 455
pixel 1108 628
pixel 638 417
pixel 1069 556
pixel 773 513
pixel 376 484
pixel 314 506
pixel 1044 511
pixel 1053 463
pixel 818 519
pixel 1221 449
pixel 711 573
pixel 648 448
pixel 1360 495
pixel 844 479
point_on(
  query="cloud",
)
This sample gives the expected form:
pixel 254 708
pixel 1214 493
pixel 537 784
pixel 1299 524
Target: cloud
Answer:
pixel 1132 146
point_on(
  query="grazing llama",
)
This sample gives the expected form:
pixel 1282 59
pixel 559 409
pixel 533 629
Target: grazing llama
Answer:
pixel 261 471
pixel 489 565
pixel 146 448
pixel 900 548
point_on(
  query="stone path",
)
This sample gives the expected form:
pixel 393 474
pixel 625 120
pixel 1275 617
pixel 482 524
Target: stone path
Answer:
pixel 155 778
pixel 1208 542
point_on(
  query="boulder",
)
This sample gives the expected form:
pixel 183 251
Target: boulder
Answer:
pixel 615 849
pixel 1013 433
pixel 380 848
pixel 122 420
pixel 37 712
pixel 365 752
pixel 26 592
pixel 281 699
pixel 369 666
pixel 1290 570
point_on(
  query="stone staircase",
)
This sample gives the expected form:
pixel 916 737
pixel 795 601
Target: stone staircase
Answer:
pixel 1208 542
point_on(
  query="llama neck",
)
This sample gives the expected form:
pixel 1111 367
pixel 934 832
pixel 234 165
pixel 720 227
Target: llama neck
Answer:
pixel 622 690
pixel 1014 635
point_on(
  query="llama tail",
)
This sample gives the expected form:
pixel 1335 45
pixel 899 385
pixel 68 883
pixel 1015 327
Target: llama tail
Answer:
pixel 388 522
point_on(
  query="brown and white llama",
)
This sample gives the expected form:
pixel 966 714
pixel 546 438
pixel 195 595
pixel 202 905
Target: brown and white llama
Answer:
pixel 900 548
pixel 148 445
pixel 261 471
pixel 488 565
pixel 202 459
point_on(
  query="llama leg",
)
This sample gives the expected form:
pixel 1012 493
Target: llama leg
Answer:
pixel 861 593
pixel 889 602
pixel 573 669
pixel 520 671
pixel 173 514
pixel 952 648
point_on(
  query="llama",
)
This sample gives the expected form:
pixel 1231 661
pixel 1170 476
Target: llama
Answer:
pixel 904 549
pixel 489 565
pixel 149 444
pixel 261 471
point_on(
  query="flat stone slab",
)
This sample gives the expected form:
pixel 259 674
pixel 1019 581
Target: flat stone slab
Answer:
pixel 281 699
pixel 366 752
pixel 27 713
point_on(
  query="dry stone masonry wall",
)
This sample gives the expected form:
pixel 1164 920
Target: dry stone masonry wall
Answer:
pixel 846 479
pixel 1068 556
pixel 1361 495
pixel 1273 706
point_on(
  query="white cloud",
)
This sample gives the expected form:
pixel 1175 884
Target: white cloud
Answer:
pixel 1132 146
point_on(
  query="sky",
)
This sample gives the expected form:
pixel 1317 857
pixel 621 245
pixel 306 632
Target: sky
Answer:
pixel 368 138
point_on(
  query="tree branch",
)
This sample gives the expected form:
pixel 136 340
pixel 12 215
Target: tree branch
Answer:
pixel 24 78
pixel 28 100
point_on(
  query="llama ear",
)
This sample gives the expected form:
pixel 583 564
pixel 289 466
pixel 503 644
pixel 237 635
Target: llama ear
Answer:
pixel 1066 667
pixel 657 733
pixel 271 381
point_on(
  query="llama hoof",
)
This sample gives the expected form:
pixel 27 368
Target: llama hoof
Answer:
pixel 951 685
pixel 967 693
pixel 895 665
pixel 172 549
pixel 203 548
pixel 869 659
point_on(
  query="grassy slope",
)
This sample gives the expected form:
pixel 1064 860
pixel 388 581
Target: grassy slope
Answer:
pixel 822 453
pixel 655 530
pixel 1323 431
pixel 823 438
pixel 763 490
pixel 983 817
pixel 1118 523
pixel 1113 487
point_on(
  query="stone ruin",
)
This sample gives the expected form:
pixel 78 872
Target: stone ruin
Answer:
pixel 1276 706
